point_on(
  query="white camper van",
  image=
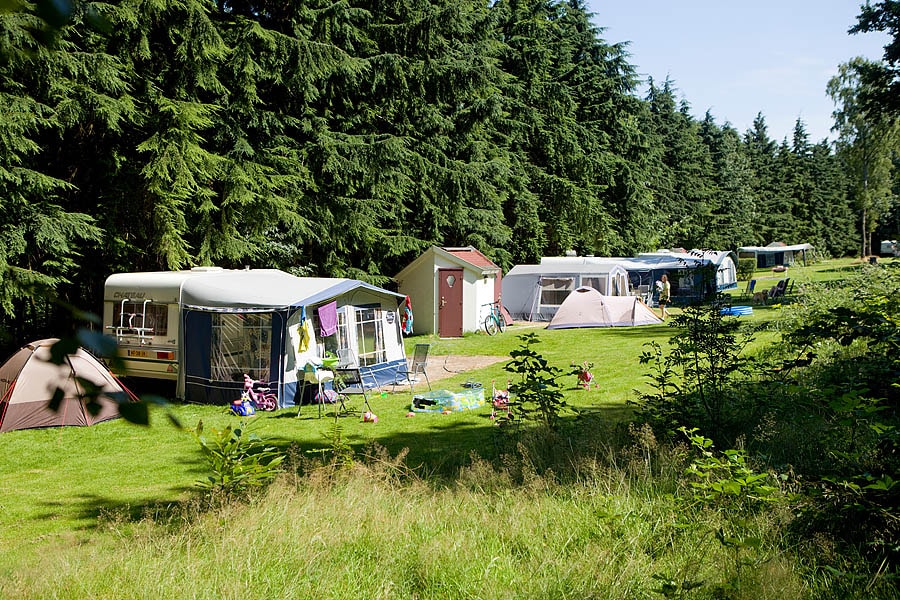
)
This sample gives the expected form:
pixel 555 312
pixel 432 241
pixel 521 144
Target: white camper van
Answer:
pixel 890 248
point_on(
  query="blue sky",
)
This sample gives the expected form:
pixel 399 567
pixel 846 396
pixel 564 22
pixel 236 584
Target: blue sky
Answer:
pixel 739 58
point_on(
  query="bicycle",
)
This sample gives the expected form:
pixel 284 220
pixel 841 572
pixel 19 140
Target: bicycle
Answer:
pixel 494 322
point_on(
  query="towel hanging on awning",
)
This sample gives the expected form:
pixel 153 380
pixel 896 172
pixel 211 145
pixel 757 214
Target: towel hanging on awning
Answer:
pixel 328 320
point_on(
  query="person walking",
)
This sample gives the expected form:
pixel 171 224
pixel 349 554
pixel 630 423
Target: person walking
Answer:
pixel 665 294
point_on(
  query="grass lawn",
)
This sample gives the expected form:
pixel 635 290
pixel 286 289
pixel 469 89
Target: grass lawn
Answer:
pixel 55 483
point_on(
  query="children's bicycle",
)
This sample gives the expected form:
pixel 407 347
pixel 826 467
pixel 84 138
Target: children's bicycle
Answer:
pixel 494 322
pixel 259 394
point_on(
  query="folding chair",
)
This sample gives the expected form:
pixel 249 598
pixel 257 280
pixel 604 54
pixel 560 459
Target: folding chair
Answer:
pixel 748 291
pixel 418 366
pixel 349 381
pixel 777 290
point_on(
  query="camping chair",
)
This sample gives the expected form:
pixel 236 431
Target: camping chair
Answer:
pixel 417 367
pixel 350 381
pixel 777 290
pixel 748 291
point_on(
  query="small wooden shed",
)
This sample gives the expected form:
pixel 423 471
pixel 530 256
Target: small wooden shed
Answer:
pixel 450 289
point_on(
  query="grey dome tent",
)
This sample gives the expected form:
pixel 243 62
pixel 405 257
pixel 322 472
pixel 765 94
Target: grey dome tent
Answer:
pixel 586 307
pixel 29 380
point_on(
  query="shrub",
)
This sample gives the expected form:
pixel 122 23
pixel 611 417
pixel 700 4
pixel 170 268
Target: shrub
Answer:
pixel 238 461
pixel 697 383
pixel 536 395
pixel 745 268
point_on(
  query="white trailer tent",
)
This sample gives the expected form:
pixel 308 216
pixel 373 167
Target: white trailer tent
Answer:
pixel 204 328
pixel 693 275
pixel 535 292
pixel 775 254
pixel 449 288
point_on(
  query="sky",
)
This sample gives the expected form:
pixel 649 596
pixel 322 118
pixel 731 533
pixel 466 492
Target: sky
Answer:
pixel 737 58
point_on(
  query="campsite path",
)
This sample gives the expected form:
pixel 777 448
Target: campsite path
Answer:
pixel 442 367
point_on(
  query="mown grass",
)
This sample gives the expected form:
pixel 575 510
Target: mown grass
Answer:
pixel 112 511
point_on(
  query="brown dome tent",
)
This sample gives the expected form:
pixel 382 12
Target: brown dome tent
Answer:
pixel 28 381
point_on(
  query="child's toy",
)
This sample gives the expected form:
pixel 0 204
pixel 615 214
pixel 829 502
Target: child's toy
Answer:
pixel 369 417
pixel 499 400
pixel 243 407
pixel 585 377
pixel 260 395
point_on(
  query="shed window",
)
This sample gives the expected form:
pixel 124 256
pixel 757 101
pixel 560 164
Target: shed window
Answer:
pixel 556 289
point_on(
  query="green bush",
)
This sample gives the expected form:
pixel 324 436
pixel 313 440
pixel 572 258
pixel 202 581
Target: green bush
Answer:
pixel 745 268
pixel 238 462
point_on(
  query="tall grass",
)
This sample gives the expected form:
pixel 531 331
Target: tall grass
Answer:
pixel 378 531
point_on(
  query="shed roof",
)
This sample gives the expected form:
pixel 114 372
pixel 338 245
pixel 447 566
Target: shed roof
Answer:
pixel 472 256
pixel 466 257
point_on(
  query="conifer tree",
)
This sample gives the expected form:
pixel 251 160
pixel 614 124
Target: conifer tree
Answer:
pixel 734 213
pixel 761 151
pixel 684 186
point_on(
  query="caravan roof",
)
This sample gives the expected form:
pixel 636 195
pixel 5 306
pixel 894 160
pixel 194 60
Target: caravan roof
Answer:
pixel 234 290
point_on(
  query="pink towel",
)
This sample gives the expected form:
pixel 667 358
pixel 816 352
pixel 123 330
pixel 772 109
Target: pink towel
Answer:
pixel 328 319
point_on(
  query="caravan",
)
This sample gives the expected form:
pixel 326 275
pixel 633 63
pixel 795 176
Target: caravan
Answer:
pixel 535 292
pixel 205 328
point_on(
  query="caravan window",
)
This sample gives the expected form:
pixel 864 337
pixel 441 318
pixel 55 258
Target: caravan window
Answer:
pixel 556 289
pixel 370 336
pixel 155 318
pixel 598 283
pixel 241 343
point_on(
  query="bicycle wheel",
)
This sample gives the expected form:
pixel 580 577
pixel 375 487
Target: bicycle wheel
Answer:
pixel 490 325
pixel 501 323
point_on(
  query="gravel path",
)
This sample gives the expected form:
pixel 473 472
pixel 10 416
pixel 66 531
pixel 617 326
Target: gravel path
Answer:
pixel 441 367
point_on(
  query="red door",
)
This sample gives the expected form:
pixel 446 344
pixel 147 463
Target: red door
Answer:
pixel 450 302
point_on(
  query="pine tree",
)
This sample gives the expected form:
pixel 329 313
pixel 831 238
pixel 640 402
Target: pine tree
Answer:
pixel 761 151
pixel 685 185
pixel 733 217
pixel 45 88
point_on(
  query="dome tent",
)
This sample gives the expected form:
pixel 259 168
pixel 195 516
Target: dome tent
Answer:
pixel 586 307
pixel 86 391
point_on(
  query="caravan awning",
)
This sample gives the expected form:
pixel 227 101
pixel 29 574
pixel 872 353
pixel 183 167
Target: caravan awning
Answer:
pixel 263 290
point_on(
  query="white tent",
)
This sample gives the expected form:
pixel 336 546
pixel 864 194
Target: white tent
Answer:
pixel 86 392
pixel 586 307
